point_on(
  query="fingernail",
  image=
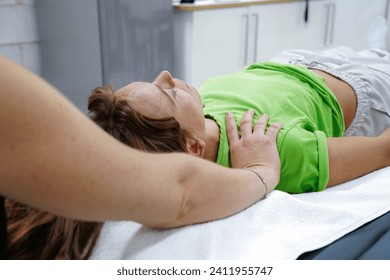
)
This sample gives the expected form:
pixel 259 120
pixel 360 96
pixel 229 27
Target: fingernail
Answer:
pixel 229 114
pixel 265 114
pixel 250 111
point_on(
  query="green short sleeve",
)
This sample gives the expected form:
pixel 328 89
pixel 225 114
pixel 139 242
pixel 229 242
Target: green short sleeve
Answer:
pixel 304 160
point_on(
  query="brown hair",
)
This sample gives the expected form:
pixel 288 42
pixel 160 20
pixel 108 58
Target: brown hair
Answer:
pixel 35 234
pixel 118 118
pixel 38 235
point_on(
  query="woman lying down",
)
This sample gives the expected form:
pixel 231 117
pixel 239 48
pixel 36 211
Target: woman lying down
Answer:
pixel 334 107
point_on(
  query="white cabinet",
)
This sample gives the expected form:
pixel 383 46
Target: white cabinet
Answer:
pixel 209 43
pixel 281 26
pixel 219 41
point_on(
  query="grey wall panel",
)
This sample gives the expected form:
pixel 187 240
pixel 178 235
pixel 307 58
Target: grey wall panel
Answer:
pixel 88 43
pixel 69 42
pixel 142 32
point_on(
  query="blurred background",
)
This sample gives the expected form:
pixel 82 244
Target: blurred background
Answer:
pixel 78 45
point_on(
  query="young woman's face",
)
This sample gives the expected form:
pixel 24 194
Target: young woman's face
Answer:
pixel 167 97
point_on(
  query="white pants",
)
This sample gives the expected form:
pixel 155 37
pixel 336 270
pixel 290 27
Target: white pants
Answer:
pixel 367 72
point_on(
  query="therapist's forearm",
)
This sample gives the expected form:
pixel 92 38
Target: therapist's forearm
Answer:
pixel 207 192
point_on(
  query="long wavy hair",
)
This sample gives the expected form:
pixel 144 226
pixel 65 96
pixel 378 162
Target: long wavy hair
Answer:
pixel 36 234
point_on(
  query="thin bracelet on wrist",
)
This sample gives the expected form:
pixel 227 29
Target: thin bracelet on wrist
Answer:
pixel 262 180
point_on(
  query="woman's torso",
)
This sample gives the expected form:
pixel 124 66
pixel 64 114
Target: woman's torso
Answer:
pixel 344 94
pixel 294 96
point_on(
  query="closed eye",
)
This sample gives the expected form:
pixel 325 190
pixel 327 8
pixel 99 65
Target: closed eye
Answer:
pixel 173 91
pixel 168 92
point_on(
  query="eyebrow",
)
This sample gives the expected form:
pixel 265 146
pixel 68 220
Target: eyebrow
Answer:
pixel 166 94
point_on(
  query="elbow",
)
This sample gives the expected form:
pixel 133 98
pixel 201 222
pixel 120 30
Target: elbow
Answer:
pixel 182 214
pixel 185 205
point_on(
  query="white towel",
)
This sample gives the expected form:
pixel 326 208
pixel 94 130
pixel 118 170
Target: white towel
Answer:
pixel 281 227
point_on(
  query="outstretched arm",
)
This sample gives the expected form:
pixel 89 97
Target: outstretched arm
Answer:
pixel 54 158
pixel 352 157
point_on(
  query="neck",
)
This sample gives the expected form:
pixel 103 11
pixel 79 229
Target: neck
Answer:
pixel 211 140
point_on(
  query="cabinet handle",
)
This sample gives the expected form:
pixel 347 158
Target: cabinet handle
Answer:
pixel 329 24
pixel 332 22
pixel 246 19
pixel 256 30
pixel 328 15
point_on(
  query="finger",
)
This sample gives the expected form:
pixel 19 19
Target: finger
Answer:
pixel 231 129
pixel 274 130
pixel 261 125
pixel 246 123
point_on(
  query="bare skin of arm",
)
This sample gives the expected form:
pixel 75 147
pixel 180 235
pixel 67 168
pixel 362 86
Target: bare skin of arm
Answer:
pixel 54 158
pixel 352 157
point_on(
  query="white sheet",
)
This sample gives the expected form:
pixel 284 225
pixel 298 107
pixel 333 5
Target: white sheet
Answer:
pixel 283 226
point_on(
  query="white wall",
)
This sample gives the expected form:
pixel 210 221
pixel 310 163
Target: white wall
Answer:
pixel 388 25
pixel 18 33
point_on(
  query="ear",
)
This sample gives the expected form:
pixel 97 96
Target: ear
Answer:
pixel 195 146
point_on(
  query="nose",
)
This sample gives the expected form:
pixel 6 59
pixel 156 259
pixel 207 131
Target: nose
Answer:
pixel 164 79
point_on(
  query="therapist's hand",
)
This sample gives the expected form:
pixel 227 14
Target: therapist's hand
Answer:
pixel 256 147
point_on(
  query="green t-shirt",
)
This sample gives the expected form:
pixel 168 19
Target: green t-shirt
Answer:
pixel 291 95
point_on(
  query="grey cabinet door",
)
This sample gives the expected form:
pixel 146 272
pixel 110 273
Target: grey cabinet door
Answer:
pixel 136 39
pixel 89 43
